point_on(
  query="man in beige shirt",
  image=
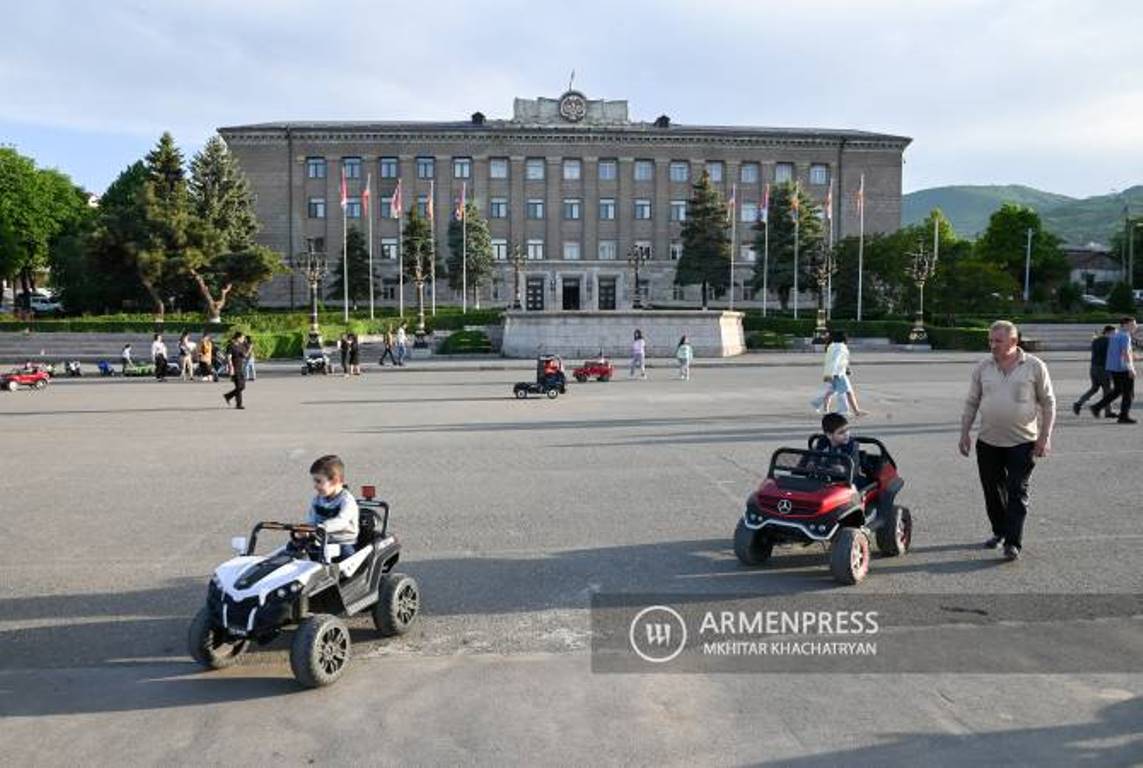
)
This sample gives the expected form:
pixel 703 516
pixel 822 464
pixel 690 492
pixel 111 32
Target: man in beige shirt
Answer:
pixel 1012 392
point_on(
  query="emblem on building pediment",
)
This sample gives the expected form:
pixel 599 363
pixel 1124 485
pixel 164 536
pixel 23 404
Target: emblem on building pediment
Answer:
pixel 573 106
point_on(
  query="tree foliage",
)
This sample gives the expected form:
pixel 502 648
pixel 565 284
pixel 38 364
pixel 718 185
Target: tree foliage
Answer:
pixel 706 241
pixel 783 221
pixel 1004 245
pixel 358 249
pixel 478 253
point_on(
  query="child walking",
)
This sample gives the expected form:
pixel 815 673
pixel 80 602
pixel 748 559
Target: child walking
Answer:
pixel 684 354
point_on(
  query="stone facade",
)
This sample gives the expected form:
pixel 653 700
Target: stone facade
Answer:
pixel 654 164
pixel 585 334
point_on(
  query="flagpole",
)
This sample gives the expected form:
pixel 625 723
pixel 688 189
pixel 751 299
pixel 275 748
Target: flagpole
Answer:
pixel 797 220
pixel 433 244
pixel 860 240
pixel 463 249
pixel 369 213
pixel 733 238
pixel 345 250
pixel 400 210
pixel 765 248
pixel 829 275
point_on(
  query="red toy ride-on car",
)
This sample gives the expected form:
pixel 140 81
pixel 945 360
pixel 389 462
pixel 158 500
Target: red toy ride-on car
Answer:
pixel 811 496
pixel 600 369
pixel 34 377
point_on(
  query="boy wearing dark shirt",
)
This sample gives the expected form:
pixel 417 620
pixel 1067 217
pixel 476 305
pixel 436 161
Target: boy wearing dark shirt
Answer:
pixel 1100 380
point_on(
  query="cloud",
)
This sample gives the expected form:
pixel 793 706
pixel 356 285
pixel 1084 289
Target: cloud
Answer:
pixel 1012 91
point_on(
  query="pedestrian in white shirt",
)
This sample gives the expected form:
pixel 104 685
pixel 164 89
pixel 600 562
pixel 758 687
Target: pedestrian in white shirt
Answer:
pixel 638 356
pixel 835 374
pixel 159 356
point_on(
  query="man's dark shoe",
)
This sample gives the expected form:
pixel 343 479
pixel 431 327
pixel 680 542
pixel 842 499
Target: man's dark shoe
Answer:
pixel 994 542
pixel 1110 415
pixel 1012 552
pixel 226 397
pixel 1076 408
pixel 240 407
pixel 1125 420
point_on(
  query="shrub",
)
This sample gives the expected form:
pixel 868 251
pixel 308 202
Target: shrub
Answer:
pixel 766 340
pixel 1121 301
pixel 465 342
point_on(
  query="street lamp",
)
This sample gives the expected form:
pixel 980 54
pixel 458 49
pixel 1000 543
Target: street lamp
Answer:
pixel 637 254
pixel 920 270
pixel 312 266
pixel 822 271
pixel 516 258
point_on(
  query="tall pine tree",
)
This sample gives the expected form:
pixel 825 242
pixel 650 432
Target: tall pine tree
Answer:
pixel 358 249
pixel 417 252
pixel 166 209
pixel 781 259
pixel 706 241
pixel 478 252
pixel 225 261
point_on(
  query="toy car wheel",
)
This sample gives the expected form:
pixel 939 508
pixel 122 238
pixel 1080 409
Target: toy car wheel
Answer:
pixel 552 393
pixel 581 378
pixel 398 606
pixel 751 546
pixel 320 651
pixel 849 556
pixel 40 384
pixel 305 370
pixel 520 393
pixel 605 377
pixel 209 645
pixel 894 537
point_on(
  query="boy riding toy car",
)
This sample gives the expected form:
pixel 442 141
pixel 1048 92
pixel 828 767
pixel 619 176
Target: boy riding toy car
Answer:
pixel 600 369
pixel 835 494
pixel 550 379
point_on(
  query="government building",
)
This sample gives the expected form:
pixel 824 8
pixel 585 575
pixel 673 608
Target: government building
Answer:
pixel 574 183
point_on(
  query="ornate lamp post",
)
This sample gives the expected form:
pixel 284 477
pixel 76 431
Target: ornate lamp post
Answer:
pixel 312 266
pixel 919 271
pixel 636 256
pixel 822 271
pixel 516 258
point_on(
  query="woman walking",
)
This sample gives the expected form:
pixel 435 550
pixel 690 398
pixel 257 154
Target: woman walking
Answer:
pixel 638 356
pixel 835 374
pixel 343 348
pixel 354 355
pixel 388 348
pixel 186 369
pixel 159 357
pixel 684 354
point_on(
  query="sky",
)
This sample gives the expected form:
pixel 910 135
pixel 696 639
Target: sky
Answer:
pixel 1046 93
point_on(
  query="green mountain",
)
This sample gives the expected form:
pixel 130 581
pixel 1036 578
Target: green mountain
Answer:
pixel 1076 221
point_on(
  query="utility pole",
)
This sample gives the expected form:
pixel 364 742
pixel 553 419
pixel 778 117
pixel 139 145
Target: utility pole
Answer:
pixel 1027 265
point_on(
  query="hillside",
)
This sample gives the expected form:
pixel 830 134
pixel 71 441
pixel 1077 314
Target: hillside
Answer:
pixel 1076 221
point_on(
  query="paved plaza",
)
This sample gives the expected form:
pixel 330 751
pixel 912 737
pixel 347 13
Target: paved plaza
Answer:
pixel 119 497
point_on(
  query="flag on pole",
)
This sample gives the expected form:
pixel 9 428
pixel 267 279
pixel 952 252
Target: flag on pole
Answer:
pixel 459 213
pixel 829 203
pixel 861 196
pixel 365 195
pixel 764 209
pixel 731 203
pixel 396 205
pixel 344 191
pixel 429 206
pixel 794 203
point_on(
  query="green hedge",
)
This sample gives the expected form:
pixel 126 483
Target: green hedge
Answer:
pixel 268 346
pixel 767 340
pixel 465 342
pixel 968 339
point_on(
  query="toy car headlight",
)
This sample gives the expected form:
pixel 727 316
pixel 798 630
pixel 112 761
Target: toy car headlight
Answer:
pixel 288 590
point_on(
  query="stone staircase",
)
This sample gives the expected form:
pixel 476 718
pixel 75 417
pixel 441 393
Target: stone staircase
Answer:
pixel 15 348
pixel 1061 337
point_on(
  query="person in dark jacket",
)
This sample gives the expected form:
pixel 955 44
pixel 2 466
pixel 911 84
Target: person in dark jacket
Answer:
pixel 238 350
pixel 1100 380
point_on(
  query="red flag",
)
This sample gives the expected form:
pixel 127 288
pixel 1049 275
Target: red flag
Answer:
pixel 396 205
pixel 794 203
pixel 344 191
pixel 459 214
pixel 829 203
pixel 430 203
pixel 365 195
pixel 764 211
pixel 732 203
pixel 861 195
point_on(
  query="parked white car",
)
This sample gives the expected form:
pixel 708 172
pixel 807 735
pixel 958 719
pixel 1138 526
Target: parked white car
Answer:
pixel 1092 301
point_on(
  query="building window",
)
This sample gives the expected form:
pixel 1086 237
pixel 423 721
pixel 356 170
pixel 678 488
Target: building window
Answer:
pixel 680 171
pixel 316 208
pixel 676 250
pixel 534 169
pixel 572 169
pixel 571 209
pixel 389 167
pixel 498 208
pixel 644 290
pixel 535 209
pixel 644 170
pixel 386 207
pixel 462 167
pixel 783 172
pixel 389 248
pixel 571 250
pixel 819 174
pixel 606 209
pixel 608 170
pixel 746 254
pixel 749 173
pixel 679 293
pixel 318 244
pixel 389 286
pixel 536 249
pixel 353 208
pixel 315 167
pixel 749 213
pixel 423 205
pixel 498 168
pixel 645 247
pixel 426 168
pixel 714 170
pixel 352 167
pixel 607 249
pixel 747 292
pixel 642 209
pixel 499 249
pixel 678 210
